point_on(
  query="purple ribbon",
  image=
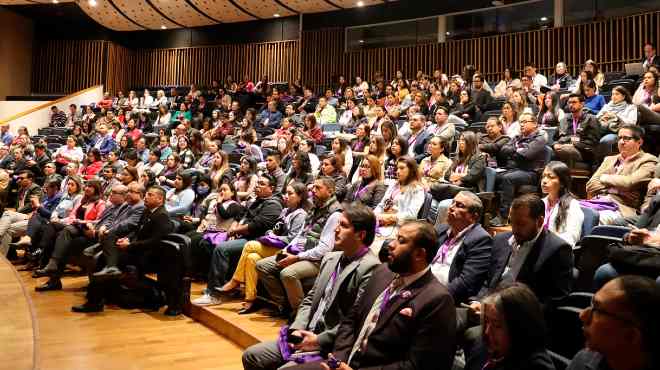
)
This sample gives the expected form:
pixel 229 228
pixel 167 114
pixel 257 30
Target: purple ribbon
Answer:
pixel 286 353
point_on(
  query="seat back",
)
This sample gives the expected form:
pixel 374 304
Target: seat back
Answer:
pixel 425 211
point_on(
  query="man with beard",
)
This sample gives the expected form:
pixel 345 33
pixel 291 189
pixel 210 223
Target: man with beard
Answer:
pixel 344 274
pixel 405 318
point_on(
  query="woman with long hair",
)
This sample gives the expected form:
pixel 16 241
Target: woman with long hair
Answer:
pixel 172 168
pixel 514 334
pixel 466 109
pixel 246 178
pixel 618 112
pixel 93 164
pixel 396 150
pixel 185 152
pixel 312 129
pixel 550 113
pixel 332 166
pixel 369 187
pixel 360 144
pixel 219 212
pixel 340 148
pixel 509 119
pixel 563 214
pixel 301 170
pixel 598 76
pixel 376 148
pixel 402 200
pixel 388 131
pixel 592 100
pixel 290 226
pixel 219 171
pixel 432 169
pixel 179 200
pixel 285 148
pixel 125 146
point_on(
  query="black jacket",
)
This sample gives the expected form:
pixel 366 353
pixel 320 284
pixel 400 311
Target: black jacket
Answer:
pixel 469 268
pixel 473 180
pixel 152 229
pixel 588 130
pixel 547 270
pixel 261 216
pixel 526 153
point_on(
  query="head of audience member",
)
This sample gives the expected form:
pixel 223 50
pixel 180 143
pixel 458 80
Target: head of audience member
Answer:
pixel 398 148
pixel 91 192
pixel 39 150
pixel 109 172
pixel 649 50
pixel 527 215
pixel 172 161
pixel 248 165
pixel 154 156
pixel 362 131
pixel 465 210
pixel 622 323
pixel 621 94
pixel 468 146
pixel 300 164
pixel 331 165
pixel 589 88
pixel 630 140
pixel 273 160
pixel 310 122
pixel 413 248
pixel 509 115
pixel 265 186
pixel 203 187
pixel 513 323
pixel 128 175
pixel 356 229
pixel 113 157
pixel 339 146
pixel 560 69
pixel 530 70
pixel 74 185
pixel 182 181
pixel 576 104
pixel 377 146
pixel 494 127
pixel 118 194
pixel 417 122
pixel 592 67
pixel 296 196
pixel 50 169
pixel 650 81
pixel 477 81
pixel 25 179
pixel 51 188
pixel 154 197
pixel 556 184
pixel 528 124
pixel 370 169
pixel 134 193
pixel 436 147
pixel 72 169
pixel 550 102
pixel 388 131
pixel 322 190
pixel 407 171
pixel 464 98
pixel 102 129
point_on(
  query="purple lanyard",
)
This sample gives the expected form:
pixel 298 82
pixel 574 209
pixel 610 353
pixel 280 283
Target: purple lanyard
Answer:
pixel 448 245
pixel 575 126
pixel 548 212
pixel 361 190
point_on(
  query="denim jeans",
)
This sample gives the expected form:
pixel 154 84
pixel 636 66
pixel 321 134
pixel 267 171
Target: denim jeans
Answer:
pixel 223 262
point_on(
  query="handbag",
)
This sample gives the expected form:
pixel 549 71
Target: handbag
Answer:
pixel 641 260
pixel 271 241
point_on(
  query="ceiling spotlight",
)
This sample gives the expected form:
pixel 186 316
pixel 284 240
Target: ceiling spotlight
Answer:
pixel 56 2
pixel 276 15
pixel 544 19
pixel 361 41
pixel 447 33
pixel 91 2
pixel 360 3
pixel 497 2
pixel 163 27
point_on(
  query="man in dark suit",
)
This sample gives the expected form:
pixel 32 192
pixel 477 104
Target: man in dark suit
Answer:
pixel 418 138
pixel 17 218
pixel 464 252
pixel 405 319
pixel 137 249
pixel 344 273
pixel 650 56
pixel 532 255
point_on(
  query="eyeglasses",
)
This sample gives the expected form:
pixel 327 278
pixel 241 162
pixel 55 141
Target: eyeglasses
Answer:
pixel 627 138
pixel 528 121
pixel 593 308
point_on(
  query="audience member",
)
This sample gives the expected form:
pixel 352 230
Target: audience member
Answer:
pixel 578 135
pixel 563 214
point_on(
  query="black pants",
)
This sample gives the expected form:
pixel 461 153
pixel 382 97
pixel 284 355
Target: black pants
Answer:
pixel 201 252
pixel 508 182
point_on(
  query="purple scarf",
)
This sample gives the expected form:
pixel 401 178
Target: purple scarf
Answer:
pixel 286 353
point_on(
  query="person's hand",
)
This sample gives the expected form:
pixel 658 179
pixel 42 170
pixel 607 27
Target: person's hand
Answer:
pixel 638 236
pixel 604 178
pixel 654 185
pixel 475 307
pixel 122 243
pixel 187 218
pixel 162 179
pixel 34 201
pixel 290 259
pixel 342 366
pixel 310 341
pixel 31 163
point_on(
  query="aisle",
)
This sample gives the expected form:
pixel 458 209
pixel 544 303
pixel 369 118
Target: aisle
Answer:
pixel 119 339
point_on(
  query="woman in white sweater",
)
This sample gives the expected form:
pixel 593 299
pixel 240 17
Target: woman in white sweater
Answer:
pixel 563 214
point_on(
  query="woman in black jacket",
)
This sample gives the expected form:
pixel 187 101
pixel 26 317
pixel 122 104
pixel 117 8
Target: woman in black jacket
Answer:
pixel 465 107
pixel 514 332
pixel 492 141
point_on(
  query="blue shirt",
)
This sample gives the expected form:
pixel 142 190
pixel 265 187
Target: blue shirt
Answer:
pixel 595 103
pixel 7 138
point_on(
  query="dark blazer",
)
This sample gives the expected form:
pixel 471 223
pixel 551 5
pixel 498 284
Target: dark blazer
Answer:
pixel 526 153
pixel 33 190
pixel 588 130
pixel 424 339
pixel 469 269
pixel 153 227
pixel 350 282
pixel 474 179
pixel 548 269
pixel 419 147
pixel 127 219
pixel 369 197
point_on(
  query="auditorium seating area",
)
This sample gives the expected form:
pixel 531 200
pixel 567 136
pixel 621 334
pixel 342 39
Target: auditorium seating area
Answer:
pixel 232 161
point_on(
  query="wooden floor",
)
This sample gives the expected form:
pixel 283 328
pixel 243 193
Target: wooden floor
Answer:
pixel 113 339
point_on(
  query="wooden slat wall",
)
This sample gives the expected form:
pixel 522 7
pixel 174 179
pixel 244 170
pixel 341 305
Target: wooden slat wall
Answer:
pixel 118 74
pixel 65 66
pixel 200 65
pixel 611 43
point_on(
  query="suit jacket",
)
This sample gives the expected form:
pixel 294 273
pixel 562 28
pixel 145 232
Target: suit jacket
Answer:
pixel 127 220
pixel 370 197
pixel 153 227
pixel 637 171
pixel 33 190
pixel 350 282
pixel 415 331
pixel 588 130
pixel 548 268
pixel 526 153
pixel 418 148
pixel 654 61
pixel 469 268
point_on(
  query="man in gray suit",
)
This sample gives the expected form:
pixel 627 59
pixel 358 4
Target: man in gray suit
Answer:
pixel 344 272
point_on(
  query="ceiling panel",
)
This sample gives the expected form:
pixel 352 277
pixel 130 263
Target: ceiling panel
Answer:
pixel 142 13
pixel 309 6
pixel 181 12
pixel 264 9
pixel 222 10
pixel 106 15
pixel 353 3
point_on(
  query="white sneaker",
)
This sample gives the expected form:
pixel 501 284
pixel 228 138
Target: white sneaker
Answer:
pixel 206 300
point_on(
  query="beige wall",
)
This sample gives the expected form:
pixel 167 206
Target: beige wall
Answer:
pixel 15 53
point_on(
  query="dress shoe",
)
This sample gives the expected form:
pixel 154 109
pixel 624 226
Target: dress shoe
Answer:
pixel 49 285
pixel 172 311
pixel 88 308
pixel 254 307
pixel 107 273
pixel 50 268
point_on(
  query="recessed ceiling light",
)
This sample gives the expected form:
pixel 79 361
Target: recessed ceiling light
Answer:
pixel 360 3
pixel 447 33
pixel 91 2
pixel 544 19
pixel 56 2
pixel 163 27
pixel 276 15
pixel 361 41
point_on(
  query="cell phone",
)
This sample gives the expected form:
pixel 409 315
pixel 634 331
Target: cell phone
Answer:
pixel 294 339
pixel 332 362
pixel 280 256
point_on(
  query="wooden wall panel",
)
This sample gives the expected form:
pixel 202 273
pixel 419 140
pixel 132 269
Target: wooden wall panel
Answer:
pixel 611 43
pixel 200 65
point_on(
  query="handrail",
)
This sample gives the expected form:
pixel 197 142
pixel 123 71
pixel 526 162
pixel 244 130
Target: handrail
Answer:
pixel 46 105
